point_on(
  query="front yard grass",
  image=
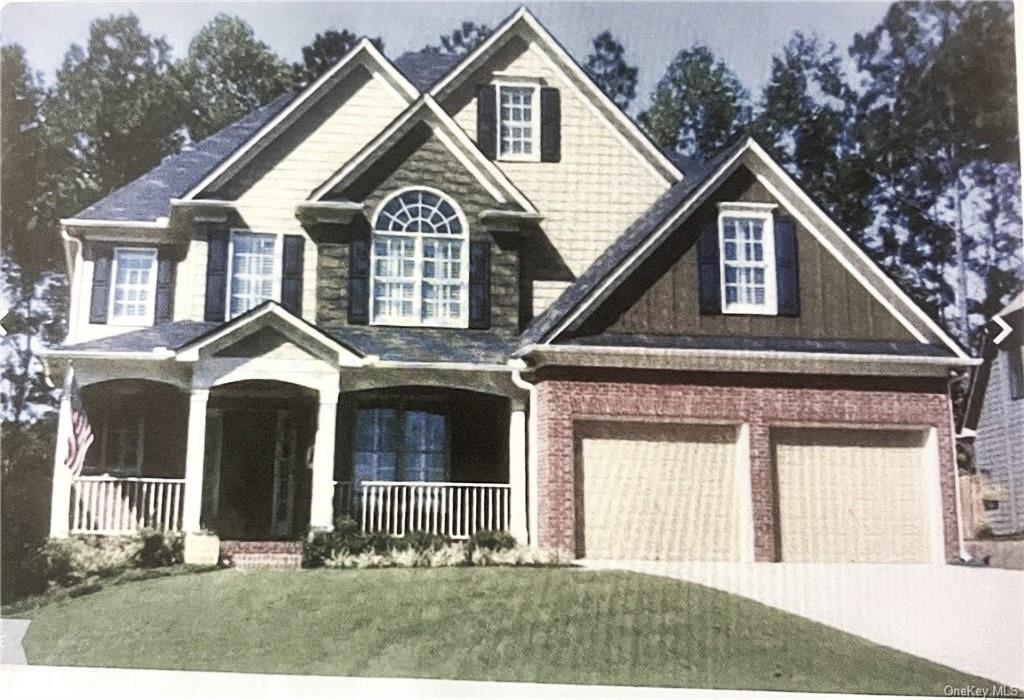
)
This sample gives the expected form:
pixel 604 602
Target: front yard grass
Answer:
pixel 495 624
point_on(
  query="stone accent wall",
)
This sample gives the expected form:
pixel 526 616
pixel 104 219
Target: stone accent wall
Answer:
pixel 420 160
pixel 562 402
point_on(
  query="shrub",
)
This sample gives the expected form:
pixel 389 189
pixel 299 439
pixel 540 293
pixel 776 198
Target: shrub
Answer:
pixel 449 555
pixel 497 540
pixel 159 548
pixel 70 561
pixel 421 541
pixel 519 555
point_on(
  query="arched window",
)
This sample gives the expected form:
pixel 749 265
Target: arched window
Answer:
pixel 419 261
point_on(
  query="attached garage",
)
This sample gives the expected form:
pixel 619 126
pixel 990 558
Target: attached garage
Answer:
pixel 660 491
pixel 853 495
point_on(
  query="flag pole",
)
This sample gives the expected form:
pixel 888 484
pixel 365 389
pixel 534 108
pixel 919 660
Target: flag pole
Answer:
pixel 60 494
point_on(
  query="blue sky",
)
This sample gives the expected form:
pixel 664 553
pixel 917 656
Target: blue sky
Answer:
pixel 744 34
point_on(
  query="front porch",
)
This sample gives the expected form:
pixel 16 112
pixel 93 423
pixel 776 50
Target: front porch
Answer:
pixel 402 458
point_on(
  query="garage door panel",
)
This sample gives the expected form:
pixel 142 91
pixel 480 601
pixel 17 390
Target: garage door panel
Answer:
pixel 659 492
pixel 851 495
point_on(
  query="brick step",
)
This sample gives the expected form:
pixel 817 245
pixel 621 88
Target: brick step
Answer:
pixel 257 547
pixel 276 560
pixel 257 555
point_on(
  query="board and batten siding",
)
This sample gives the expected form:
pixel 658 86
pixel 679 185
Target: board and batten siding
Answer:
pixel 284 174
pixel 419 160
pixel 1000 443
pixel 599 186
pixel 833 304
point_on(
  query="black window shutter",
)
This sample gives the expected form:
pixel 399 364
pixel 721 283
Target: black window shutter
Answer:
pixel 550 125
pixel 291 278
pixel 100 287
pixel 480 284
pixel 165 265
pixel 787 267
pixel 359 282
pixel 709 270
pixel 216 272
pixel 487 121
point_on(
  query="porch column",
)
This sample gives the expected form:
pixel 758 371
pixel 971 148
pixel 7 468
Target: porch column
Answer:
pixel 321 508
pixel 517 474
pixel 195 454
pixel 60 493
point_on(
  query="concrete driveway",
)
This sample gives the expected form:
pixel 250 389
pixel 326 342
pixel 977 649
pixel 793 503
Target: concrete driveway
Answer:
pixel 971 619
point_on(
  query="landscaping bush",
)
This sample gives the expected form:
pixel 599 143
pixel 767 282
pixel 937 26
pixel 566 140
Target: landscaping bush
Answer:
pixel 70 561
pixel 160 549
pixel 420 541
pixel 346 543
pixel 496 540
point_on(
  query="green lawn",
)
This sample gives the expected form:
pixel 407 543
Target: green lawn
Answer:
pixel 499 624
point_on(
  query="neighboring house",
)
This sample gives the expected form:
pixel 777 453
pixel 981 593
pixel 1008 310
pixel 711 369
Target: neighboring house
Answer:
pixel 993 421
pixel 454 296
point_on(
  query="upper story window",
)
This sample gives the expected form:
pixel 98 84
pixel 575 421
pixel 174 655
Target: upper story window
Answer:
pixel 419 261
pixel 518 122
pixel 134 293
pixel 254 265
pixel 747 258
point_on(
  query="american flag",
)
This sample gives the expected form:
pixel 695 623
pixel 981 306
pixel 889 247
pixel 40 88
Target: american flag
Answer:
pixel 81 432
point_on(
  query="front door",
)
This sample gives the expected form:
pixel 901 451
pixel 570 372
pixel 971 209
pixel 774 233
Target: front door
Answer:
pixel 263 482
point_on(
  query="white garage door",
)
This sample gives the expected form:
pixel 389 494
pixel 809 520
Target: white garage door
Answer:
pixel 663 492
pixel 852 495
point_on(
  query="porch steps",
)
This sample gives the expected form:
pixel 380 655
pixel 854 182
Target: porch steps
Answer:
pixel 259 555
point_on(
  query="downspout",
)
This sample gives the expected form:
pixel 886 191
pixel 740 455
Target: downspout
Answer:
pixel 964 554
pixel 517 366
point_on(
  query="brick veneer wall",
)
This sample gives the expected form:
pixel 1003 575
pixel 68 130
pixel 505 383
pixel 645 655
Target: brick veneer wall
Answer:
pixel 562 402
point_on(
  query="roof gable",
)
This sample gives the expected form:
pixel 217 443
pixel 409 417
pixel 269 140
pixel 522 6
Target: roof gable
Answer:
pixel 426 111
pixel 524 25
pixel 364 55
pixel 615 266
pixel 238 336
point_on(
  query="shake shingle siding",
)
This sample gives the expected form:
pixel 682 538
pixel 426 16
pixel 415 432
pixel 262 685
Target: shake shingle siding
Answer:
pixel 420 159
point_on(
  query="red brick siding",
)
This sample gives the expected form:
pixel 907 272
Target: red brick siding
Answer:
pixel 561 403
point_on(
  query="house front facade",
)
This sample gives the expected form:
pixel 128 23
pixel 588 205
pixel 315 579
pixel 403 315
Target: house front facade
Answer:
pixel 459 295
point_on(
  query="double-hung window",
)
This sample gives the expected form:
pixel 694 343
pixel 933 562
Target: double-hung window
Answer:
pixel 518 121
pixel 747 256
pixel 134 275
pixel 123 446
pixel 419 260
pixel 254 277
pixel 400 444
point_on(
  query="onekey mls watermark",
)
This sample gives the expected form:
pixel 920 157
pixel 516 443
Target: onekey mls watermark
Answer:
pixel 982 691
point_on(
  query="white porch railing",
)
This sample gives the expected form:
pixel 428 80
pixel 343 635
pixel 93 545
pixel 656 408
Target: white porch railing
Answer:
pixel 108 505
pixel 454 510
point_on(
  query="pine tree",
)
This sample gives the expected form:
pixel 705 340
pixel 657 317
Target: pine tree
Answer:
pixel 607 67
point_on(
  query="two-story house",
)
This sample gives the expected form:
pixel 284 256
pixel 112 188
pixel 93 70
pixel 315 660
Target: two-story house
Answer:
pixel 454 295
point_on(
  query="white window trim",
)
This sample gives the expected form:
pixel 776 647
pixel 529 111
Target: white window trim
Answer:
pixel 416 319
pixel 113 320
pixel 750 210
pixel 535 85
pixel 277 273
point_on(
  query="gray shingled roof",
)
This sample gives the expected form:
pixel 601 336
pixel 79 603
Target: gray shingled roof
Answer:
pixel 424 68
pixel 397 344
pixel 149 197
pixel 166 335
pixel 427 344
pixel 632 237
pixel 685 342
